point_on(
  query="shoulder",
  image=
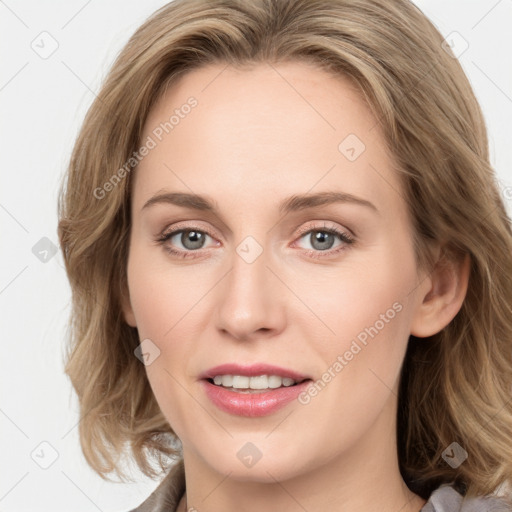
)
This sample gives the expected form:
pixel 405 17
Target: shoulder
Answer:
pixel 166 496
pixel 446 499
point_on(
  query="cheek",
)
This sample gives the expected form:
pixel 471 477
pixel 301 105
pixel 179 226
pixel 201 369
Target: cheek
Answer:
pixel 168 304
pixel 162 303
pixel 360 300
pixel 162 295
pixel 368 309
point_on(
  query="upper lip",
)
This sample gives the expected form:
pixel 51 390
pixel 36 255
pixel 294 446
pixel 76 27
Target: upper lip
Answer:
pixel 252 370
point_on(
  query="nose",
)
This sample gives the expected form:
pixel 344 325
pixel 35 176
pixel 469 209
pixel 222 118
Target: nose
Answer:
pixel 251 300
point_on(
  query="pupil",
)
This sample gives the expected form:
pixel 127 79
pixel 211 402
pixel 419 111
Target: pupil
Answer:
pixel 325 240
pixel 192 239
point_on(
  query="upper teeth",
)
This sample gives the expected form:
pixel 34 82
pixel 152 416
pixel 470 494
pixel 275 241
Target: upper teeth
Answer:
pixel 257 382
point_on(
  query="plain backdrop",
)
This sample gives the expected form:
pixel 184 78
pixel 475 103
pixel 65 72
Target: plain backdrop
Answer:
pixel 54 57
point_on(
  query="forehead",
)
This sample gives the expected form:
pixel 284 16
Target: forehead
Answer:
pixel 290 128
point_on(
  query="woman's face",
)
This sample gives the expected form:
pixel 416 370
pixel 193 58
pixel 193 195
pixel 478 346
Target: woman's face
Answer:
pixel 297 254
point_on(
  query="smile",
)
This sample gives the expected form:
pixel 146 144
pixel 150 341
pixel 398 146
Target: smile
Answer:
pixel 243 383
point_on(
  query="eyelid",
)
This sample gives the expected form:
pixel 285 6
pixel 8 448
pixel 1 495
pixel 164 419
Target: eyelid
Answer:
pixel 187 226
pixel 341 232
pixel 310 226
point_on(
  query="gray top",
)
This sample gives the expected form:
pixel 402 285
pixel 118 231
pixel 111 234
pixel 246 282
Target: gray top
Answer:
pixel 446 499
pixel 167 495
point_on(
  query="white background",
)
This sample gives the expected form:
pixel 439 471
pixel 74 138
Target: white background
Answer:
pixel 43 102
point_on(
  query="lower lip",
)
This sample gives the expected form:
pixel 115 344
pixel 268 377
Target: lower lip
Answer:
pixel 252 404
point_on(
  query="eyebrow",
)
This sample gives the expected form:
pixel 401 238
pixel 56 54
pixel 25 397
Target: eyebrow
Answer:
pixel 293 203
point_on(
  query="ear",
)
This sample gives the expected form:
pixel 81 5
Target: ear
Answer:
pixel 441 295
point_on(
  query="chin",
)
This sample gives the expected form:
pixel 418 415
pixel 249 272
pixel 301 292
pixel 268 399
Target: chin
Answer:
pixel 269 468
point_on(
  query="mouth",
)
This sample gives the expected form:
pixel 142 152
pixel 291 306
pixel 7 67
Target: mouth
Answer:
pixel 253 384
pixel 252 391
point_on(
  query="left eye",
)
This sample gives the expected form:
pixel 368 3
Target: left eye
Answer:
pixel 323 239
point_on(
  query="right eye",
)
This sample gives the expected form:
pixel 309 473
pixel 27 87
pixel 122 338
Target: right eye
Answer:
pixel 182 242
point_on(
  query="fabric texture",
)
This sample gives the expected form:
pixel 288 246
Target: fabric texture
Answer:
pixel 446 499
pixel 166 497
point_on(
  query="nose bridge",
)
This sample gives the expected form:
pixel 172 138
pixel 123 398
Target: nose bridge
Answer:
pixel 249 300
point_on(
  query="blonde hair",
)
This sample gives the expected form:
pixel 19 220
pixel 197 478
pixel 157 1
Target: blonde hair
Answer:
pixel 455 385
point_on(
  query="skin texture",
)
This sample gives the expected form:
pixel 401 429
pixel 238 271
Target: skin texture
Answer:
pixel 257 136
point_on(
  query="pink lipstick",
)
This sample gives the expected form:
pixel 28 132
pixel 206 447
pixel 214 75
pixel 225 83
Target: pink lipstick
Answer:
pixel 243 401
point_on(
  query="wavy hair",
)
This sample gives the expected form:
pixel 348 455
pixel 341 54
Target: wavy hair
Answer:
pixel 456 385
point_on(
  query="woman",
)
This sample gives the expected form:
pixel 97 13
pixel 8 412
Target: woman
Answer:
pixel 291 265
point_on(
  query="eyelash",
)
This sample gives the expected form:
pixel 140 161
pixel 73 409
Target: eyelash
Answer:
pixel 347 239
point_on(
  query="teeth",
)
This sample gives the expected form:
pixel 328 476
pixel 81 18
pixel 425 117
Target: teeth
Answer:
pixel 239 381
pixel 256 382
pixel 274 381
